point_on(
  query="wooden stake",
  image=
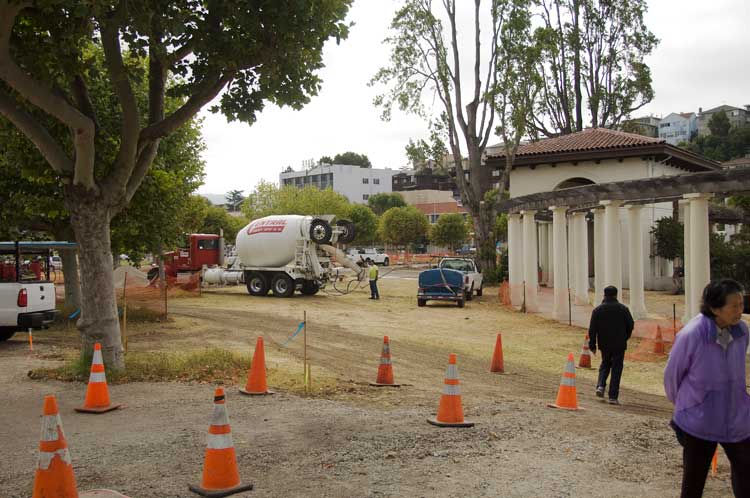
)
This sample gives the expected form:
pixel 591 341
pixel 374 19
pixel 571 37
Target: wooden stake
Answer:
pixel 304 356
pixel 125 313
pixel 31 341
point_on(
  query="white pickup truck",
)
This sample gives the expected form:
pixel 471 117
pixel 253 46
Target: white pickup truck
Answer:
pixel 367 254
pixel 27 297
pixel 472 275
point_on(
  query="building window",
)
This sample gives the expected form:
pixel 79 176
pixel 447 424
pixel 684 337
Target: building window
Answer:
pixel 365 197
pixel 495 172
pixel 365 180
pixel 376 181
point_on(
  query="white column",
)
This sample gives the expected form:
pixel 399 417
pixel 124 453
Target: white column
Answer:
pixel 612 244
pixel 560 261
pixel 543 255
pixel 573 260
pixel 700 262
pixel 686 261
pixel 530 261
pixel 582 257
pixel 598 255
pixel 635 263
pixel 515 259
pixel 550 256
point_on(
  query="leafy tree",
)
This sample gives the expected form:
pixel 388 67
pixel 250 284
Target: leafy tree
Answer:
pixel 593 63
pixel 268 199
pixel 735 143
pixel 426 59
pixel 353 159
pixel 668 237
pixel 420 152
pixel 382 202
pixel 217 219
pixel 45 66
pixel 403 225
pixel 365 223
pixel 325 160
pixel 450 230
pixel 234 199
pixel 719 124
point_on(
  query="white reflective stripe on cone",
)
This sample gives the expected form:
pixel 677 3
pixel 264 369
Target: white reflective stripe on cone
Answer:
pixel 451 372
pixel 385 361
pixel 97 377
pixel 570 367
pixel 98 357
pixel 219 441
pixel 45 458
pixel 49 427
pixel 452 389
pixel 567 381
pixel 386 349
pixel 219 416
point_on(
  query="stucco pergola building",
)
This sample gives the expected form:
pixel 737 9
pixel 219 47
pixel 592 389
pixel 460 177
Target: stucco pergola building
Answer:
pixel 581 209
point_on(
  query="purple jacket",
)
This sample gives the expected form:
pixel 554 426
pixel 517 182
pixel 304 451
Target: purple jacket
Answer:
pixel 707 384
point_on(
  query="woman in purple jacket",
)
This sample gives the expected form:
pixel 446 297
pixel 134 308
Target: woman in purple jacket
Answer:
pixel 705 379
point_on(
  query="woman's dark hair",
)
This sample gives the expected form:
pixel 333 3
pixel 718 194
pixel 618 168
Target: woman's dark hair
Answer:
pixel 715 294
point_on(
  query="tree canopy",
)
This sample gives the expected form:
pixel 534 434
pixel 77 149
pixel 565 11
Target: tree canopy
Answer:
pixel 402 226
pixel 267 199
pixel 234 199
pixel 353 159
pixel 382 202
pixel 365 224
pixel 450 230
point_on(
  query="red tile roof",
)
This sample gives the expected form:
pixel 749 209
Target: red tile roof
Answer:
pixel 586 140
pixel 440 208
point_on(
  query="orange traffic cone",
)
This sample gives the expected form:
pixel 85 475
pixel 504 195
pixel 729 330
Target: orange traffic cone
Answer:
pixel 585 360
pixel 715 462
pixel 385 369
pixel 450 412
pixel 566 396
pixel 659 342
pixel 497 365
pixel 256 376
pixel 220 474
pixel 97 393
pixel 54 476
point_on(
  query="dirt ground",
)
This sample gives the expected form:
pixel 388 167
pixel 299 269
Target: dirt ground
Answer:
pixel 358 441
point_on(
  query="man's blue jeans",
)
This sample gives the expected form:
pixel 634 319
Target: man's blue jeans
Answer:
pixel 374 289
pixel 611 360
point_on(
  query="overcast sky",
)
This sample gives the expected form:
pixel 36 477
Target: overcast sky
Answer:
pixel 702 61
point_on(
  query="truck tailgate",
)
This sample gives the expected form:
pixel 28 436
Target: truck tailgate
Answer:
pixel 41 297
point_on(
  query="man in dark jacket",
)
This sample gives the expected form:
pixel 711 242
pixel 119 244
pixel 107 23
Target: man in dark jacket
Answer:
pixel 611 326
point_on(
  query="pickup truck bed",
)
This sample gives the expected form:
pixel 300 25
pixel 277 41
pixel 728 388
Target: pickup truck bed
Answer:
pixel 441 285
pixel 25 305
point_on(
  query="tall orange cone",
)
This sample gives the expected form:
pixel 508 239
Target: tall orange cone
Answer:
pixel 585 360
pixel 497 365
pixel 385 369
pixel 54 476
pixel 566 396
pixel 715 462
pixel 450 412
pixel 256 377
pixel 97 393
pixel 659 341
pixel 220 474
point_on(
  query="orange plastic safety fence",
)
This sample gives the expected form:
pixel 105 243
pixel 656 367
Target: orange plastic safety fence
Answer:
pixel 655 344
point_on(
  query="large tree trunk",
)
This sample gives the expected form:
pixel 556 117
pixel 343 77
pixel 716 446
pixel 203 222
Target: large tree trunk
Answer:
pixel 99 323
pixel 485 238
pixel 72 281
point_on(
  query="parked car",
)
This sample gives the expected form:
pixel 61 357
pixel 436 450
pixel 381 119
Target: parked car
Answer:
pixel 441 284
pixel 472 275
pixel 466 250
pixel 364 255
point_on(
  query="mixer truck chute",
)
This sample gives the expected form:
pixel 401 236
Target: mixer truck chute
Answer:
pixel 285 253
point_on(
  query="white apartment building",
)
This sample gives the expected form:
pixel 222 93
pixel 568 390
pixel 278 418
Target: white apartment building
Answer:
pixel 678 127
pixel 356 183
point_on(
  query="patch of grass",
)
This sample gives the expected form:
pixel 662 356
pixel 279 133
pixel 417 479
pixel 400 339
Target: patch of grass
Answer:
pixel 214 366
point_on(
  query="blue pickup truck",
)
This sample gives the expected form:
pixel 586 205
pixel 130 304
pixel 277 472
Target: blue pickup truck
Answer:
pixel 441 284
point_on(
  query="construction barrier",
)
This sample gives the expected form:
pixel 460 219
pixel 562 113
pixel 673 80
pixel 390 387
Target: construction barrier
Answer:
pixel 653 343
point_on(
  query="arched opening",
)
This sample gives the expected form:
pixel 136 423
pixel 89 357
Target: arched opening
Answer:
pixel 574 182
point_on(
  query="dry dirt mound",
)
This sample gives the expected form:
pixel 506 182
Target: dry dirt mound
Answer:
pixel 136 278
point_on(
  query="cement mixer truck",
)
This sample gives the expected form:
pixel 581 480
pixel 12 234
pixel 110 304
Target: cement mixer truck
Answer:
pixel 285 253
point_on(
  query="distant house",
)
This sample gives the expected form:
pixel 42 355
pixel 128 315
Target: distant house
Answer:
pixel 678 127
pixel 355 183
pixel 738 117
pixel 648 126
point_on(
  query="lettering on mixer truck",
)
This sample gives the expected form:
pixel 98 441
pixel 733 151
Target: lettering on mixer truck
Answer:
pixel 266 226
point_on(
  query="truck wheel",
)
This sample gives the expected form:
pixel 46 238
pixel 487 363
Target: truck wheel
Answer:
pixel 386 262
pixel 348 231
pixel 257 284
pixel 421 302
pixel 479 291
pixel 470 294
pixel 282 285
pixel 6 333
pixel 320 231
pixel 310 288
pixel 461 303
